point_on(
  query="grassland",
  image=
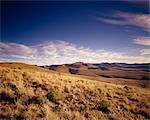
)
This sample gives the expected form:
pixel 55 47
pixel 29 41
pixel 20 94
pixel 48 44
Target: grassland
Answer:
pixel 34 93
pixel 105 70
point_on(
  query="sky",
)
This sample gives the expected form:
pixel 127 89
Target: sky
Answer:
pixel 58 32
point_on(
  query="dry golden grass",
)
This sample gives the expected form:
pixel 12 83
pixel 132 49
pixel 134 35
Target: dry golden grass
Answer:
pixel 33 93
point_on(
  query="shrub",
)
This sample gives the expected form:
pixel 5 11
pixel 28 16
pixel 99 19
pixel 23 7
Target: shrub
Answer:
pixel 42 99
pixel 19 68
pixel 103 106
pixel 7 98
pixel 36 100
pixel 54 96
pixel 14 88
pixel 3 85
pixel 82 107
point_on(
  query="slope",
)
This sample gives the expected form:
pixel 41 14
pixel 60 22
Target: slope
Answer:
pixel 31 92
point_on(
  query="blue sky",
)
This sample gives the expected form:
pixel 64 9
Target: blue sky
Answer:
pixel 104 31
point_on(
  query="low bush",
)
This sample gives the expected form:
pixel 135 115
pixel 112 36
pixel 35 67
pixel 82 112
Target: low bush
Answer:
pixel 55 96
pixel 7 98
pixel 103 106
pixel 36 100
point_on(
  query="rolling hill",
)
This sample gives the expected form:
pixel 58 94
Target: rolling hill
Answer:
pixel 107 70
pixel 29 92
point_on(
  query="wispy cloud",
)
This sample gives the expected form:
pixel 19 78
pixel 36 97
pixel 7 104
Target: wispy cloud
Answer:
pixel 59 52
pixel 141 21
pixel 124 18
pixel 145 51
pixel 13 49
pixel 142 41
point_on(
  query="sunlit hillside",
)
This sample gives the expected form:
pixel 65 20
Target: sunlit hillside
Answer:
pixel 33 93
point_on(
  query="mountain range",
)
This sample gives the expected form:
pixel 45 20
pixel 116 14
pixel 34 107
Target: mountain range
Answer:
pixel 107 70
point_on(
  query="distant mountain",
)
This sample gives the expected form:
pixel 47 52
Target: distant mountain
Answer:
pixel 144 66
pixel 109 70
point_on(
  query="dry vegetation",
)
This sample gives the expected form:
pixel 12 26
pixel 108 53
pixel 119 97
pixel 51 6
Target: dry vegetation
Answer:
pixel 32 93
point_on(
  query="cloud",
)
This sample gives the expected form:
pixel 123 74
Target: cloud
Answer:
pixel 13 49
pixel 142 41
pixel 124 18
pixel 141 21
pixel 59 52
pixel 145 52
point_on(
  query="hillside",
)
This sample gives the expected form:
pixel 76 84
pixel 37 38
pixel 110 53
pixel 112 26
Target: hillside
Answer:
pixel 33 93
pixel 106 70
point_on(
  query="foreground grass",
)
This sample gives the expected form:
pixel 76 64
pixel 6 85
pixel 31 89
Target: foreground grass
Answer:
pixel 29 92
